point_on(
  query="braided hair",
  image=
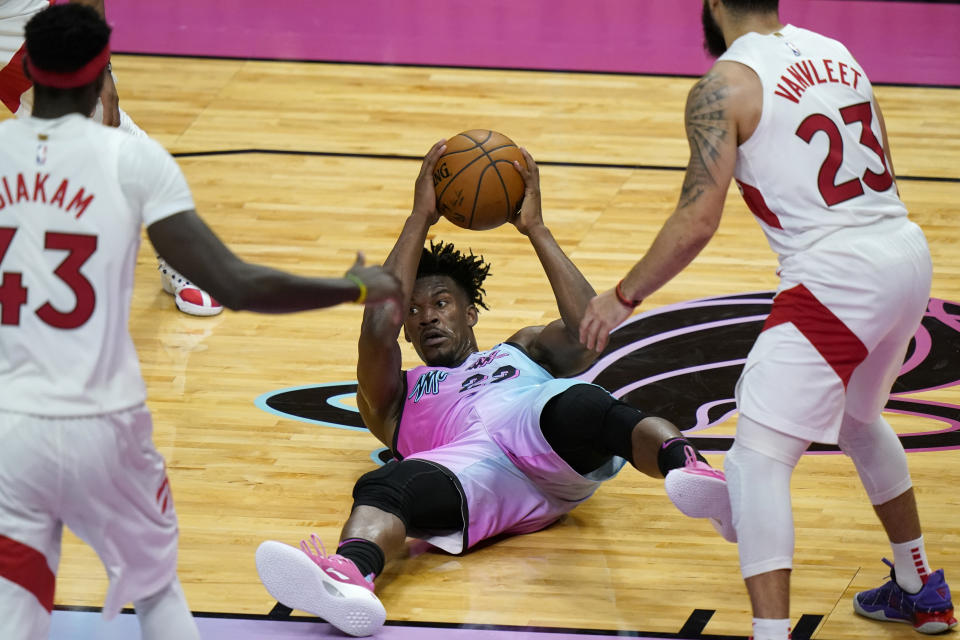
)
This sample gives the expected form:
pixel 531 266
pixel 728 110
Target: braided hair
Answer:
pixel 65 37
pixel 468 271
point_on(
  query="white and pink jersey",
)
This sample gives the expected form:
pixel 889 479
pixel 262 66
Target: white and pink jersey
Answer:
pixel 815 163
pixel 73 197
pixel 500 385
pixel 480 422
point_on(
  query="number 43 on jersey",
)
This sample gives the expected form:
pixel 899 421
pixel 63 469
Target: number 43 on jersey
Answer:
pixel 13 291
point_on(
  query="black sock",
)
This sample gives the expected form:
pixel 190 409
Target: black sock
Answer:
pixel 366 555
pixel 673 454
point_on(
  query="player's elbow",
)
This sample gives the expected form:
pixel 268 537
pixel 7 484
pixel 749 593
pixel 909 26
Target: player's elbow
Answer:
pixel 699 227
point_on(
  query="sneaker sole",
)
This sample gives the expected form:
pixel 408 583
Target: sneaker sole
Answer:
pixel 702 496
pixel 197 310
pixel 297 582
pixel 930 627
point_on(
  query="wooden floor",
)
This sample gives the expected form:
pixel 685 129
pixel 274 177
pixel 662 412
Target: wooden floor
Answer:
pixel 624 560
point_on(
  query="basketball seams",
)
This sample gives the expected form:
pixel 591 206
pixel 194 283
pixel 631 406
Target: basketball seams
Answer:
pixel 489 190
pixel 483 154
pixel 479 143
pixel 503 184
pixel 476 195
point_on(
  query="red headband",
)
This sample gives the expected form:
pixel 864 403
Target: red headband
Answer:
pixel 70 79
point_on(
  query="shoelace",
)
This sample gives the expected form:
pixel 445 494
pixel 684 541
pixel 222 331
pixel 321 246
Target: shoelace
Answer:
pixel 165 268
pixel 690 455
pixel 319 554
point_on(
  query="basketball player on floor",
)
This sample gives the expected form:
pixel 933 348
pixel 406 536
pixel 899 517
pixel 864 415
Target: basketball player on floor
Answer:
pixel 502 441
pixel 76 433
pixel 17 96
pixel 791 115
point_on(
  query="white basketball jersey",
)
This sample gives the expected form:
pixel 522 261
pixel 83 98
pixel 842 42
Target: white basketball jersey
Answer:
pixel 815 162
pixel 14 15
pixel 73 196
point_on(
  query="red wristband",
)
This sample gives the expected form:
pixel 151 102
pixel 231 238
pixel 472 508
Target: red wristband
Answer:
pixel 624 300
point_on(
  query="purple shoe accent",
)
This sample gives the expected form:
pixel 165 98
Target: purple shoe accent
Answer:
pixel 930 610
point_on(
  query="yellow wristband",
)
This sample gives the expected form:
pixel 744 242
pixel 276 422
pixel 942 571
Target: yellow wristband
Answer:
pixel 363 288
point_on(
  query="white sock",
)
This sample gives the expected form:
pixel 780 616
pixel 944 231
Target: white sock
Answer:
pixel 910 563
pixel 770 629
pixel 166 615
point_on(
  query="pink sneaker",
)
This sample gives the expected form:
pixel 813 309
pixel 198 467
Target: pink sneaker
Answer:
pixel 700 491
pixel 329 586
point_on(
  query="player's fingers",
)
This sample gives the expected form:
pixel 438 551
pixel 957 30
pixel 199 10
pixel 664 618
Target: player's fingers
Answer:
pixel 532 167
pixel 528 159
pixel 602 337
pixel 585 331
pixel 430 160
pixel 360 260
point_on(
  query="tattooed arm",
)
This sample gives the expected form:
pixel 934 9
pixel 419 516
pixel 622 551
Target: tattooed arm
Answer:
pixel 721 108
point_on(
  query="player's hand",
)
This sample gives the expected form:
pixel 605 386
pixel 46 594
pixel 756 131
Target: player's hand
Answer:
pixel 604 312
pixel 110 101
pixel 424 194
pixel 382 286
pixel 530 214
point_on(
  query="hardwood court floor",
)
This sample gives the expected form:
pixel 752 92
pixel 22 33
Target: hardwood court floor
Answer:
pixel 611 148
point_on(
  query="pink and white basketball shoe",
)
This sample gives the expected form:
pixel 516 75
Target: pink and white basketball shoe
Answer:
pixel 329 586
pixel 700 491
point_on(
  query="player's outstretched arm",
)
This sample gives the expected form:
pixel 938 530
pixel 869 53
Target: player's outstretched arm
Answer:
pixel 379 376
pixel 556 346
pixel 193 249
pixel 713 107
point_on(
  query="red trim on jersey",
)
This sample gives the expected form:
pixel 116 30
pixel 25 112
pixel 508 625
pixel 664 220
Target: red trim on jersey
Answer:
pixel 758 206
pixel 28 568
pixel 13 82
pixel 839 346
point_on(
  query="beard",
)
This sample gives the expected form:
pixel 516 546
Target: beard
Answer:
pixel 713 41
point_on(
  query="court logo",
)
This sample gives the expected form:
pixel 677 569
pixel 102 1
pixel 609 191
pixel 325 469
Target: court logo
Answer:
pixel 683 361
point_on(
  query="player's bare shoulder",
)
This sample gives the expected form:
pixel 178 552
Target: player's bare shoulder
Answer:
pixel 731 91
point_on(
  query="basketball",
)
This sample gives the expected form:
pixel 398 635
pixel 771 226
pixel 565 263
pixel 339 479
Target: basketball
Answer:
pixel 477 185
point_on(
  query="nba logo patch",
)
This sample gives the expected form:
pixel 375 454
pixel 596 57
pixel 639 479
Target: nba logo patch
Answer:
pixel 42 153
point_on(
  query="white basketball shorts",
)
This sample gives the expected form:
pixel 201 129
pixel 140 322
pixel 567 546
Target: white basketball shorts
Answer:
pixel 838 330
pixel 102 477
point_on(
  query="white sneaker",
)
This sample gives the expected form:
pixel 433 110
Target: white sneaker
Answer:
pixel 327 586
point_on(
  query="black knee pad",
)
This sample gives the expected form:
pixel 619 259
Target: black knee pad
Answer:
pixel 586 426
pixel 423 495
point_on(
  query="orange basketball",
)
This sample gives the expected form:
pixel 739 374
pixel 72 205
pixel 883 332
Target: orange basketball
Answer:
pixel 477 185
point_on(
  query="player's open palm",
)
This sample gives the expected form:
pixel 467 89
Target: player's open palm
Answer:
pixel 381 286
pixel 531 213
